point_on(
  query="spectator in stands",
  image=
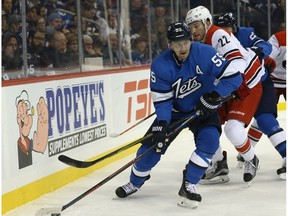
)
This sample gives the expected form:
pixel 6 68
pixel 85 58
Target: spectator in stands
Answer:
pixel 140 54
pixel 10 53
pixel 154 45
pixel 89 12
pixel 72 28
pixel 161 34
pixel 161 12
pixel 72 43
pixel 112 23
pixel 35 47
pixel 114 27
pixel 138 26
pixel 6 7
pixel 41 11
pixel 94 23
pixel 4 22
pixel 98 45
pixel 113 56
pixel 145 11
pixel 14 27
pixel 88 46
pixel 55 23
pixel 41 24
pixel 31 16
pixel 14 24
pixel 57 54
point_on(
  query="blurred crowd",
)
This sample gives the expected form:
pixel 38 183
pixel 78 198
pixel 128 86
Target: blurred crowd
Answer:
pixel 121 33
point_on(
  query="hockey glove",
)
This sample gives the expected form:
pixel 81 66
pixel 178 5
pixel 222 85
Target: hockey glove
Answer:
pixel 243 90
pixel 258 51
pixel 269 64
pixel 209 103
pixel 160 136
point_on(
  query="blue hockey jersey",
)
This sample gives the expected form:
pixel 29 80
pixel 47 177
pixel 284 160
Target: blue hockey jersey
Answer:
pixel 248 38
pixel 179 86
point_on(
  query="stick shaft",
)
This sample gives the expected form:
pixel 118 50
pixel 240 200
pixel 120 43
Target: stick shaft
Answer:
pixel 144 119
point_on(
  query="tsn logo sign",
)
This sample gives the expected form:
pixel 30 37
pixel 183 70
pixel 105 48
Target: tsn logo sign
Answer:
pixel 139 104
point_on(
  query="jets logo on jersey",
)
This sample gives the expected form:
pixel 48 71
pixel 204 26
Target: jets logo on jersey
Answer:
pixel 182 89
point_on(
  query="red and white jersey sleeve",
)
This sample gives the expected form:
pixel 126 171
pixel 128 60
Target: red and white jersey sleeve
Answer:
pixel 278 42
pixel 244 60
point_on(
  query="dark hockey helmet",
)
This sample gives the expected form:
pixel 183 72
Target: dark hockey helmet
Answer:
pixel 225 20
pixel 178 31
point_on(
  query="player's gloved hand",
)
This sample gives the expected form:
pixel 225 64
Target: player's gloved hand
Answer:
pixel 160 136
pixel 269 64
pixel 258 51
pixel 243 90
pixel 209 103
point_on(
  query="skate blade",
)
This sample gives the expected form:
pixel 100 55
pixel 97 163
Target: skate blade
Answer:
pixel 249 183
pixel 186 203
pixel 216 180
pixel 282 176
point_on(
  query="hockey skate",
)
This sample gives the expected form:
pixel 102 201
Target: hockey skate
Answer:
pixel 189 197
pixel 216 173
pixel 281 172
pixel 126 190
pixel 250 169
pixel 240 161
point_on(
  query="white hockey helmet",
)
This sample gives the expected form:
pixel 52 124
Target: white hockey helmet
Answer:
pixel 199 13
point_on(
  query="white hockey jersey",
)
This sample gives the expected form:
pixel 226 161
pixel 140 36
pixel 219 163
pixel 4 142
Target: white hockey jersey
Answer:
pixel 278 42
pixel 230 48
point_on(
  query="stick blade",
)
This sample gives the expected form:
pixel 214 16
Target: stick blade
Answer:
pixel 48 211
pixel 75 163
pixel 113 135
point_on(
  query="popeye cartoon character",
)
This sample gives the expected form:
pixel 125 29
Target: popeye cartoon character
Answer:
pixel 25 115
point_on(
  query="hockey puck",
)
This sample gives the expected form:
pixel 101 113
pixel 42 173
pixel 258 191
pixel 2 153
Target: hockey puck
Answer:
pixel 55 214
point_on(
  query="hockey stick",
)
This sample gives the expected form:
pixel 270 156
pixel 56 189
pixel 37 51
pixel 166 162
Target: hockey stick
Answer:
pixel 113 135
pixel 84 164
pixel 58 210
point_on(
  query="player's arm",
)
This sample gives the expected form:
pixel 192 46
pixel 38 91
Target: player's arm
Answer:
pixel 228 77
pixel 226 46
pixel 261 47
pixel 162 94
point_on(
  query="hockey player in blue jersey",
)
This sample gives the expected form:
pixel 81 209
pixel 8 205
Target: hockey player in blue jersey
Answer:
pixel 266 114
pixel 185 78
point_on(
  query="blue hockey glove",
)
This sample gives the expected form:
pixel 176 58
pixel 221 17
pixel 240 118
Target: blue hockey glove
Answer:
pixel 258 51
pixel 209 103
pixel 160 136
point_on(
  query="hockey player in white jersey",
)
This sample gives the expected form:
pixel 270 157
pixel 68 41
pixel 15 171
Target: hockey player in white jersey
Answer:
pixel 267 109
pixel 278 41
pixel 239 112
pixel 267 122
pixel 185 78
